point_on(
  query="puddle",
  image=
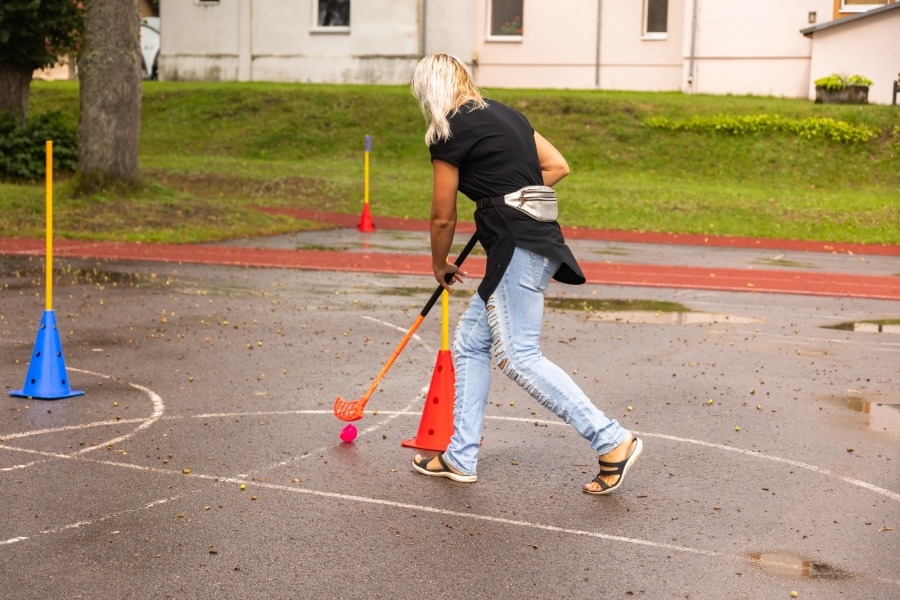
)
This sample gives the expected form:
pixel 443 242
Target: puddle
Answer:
pixel 675 318
pixel 873 326
pixel 883 417
pixel 34 274
pixel 612 251
pixel 777 261
pixel 405 291
pixel 782 563
pixel 615 305
pixel 642 311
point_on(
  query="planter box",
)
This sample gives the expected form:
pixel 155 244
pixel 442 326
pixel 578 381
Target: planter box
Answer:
pixel 853 94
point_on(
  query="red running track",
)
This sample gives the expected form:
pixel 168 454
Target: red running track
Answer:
pixel 726 279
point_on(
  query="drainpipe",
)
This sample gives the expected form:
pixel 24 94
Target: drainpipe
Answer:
pixel 599 27
pixel 690 78
pixel 245 41
pixel 424 40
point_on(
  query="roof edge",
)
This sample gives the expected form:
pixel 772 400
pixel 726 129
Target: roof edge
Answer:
pixel 811 30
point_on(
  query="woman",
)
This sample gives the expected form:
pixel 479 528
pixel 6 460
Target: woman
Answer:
pixel 486 150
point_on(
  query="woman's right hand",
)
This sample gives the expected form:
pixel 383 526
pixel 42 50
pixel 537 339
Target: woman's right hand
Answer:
pixel 447 274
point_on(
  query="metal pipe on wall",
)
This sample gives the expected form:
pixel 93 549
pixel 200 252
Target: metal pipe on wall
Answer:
pixel 690 79
pixel 424 40
pixel 599 29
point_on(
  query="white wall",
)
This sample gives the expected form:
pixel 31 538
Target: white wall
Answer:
pixel 198 41
pixel 449 28
pixel 275 40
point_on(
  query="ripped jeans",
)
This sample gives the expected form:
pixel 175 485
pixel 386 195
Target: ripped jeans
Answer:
pixel 507 332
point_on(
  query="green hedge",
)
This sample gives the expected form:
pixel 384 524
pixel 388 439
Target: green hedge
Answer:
pixel 807 127
pixel 23 148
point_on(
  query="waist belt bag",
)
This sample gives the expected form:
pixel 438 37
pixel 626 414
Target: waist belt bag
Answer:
pixel 536 201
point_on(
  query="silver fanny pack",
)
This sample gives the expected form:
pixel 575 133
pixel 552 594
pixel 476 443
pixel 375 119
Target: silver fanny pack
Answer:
pixel 536 201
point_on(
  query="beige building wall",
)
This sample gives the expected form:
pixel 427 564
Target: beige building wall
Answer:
pixel 557 50
pixel 630 60
pixel 710 47
pixel 582 44
pixel 750 47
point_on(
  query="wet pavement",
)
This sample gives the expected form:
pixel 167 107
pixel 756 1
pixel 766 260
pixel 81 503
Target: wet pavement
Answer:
pixel 770 423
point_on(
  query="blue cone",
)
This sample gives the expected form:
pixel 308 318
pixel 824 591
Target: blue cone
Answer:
pixel 47 378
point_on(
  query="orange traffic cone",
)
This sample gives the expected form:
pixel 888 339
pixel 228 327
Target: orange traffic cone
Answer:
pixel 365 222
pixel 436 426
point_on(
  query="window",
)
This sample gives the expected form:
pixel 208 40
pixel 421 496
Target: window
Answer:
pixel 656 18
pixel 860 5
pixel 332 14
pixel 505 18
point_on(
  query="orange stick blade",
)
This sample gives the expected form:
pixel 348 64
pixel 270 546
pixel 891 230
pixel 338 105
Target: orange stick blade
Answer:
pixel 349 410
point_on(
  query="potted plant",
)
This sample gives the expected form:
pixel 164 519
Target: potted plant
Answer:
pixel 838 89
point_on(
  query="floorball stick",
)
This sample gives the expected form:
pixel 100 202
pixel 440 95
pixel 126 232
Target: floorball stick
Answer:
pixel 347 410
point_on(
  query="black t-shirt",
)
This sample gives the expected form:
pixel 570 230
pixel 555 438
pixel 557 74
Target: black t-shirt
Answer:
pixel 494 150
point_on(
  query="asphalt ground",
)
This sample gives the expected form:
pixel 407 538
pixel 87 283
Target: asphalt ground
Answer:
pixel 771 437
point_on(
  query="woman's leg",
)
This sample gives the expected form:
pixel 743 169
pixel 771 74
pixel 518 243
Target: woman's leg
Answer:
pixel 515 314
pixel 472 368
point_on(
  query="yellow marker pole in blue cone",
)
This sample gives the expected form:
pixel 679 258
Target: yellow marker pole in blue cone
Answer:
pixel 46 378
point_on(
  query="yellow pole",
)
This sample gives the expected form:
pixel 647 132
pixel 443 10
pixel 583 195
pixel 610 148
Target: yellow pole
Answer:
pixel 445 320
pixel 365 222
pixel 366 176
pixel 49 258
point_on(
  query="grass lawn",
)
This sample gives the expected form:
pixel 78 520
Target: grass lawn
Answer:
pixel 211 153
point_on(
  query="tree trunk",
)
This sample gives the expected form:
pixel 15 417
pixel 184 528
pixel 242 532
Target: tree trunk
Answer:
pixel 15 85
pixel 110 114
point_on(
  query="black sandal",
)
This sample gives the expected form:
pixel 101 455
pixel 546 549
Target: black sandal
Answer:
pixel 421 465
pixel 615 468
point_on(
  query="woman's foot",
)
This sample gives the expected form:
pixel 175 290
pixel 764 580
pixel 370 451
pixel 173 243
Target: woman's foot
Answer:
pixel 614 465
pixel 437 467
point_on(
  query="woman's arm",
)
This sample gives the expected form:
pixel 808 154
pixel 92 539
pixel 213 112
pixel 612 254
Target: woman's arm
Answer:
pixel 443 221
pixel 553 166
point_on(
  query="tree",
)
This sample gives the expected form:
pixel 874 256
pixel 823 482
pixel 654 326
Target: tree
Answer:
pixel 33 34
pixel 109 67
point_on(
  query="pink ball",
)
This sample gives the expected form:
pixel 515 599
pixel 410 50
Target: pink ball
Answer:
pixel 348 433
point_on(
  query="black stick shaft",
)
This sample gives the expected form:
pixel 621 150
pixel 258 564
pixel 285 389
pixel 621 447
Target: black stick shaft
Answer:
pixel 458 262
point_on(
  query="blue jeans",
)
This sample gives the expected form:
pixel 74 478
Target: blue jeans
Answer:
pixel 507 331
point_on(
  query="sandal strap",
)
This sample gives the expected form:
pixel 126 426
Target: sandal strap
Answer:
pixel 616 467
pixel 603 485
pixel 444 466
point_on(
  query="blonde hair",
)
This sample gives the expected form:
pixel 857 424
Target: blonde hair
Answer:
pixel 442 84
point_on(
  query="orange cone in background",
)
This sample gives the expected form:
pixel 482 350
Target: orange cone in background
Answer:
pixel 436 426
pixel 365 223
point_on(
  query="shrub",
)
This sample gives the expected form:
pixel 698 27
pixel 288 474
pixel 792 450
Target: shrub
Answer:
pixel 23 148
pixel 808 127
pixel 835 82
pixel 859 80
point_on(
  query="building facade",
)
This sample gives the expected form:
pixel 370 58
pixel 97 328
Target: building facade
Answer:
pixel 694 46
